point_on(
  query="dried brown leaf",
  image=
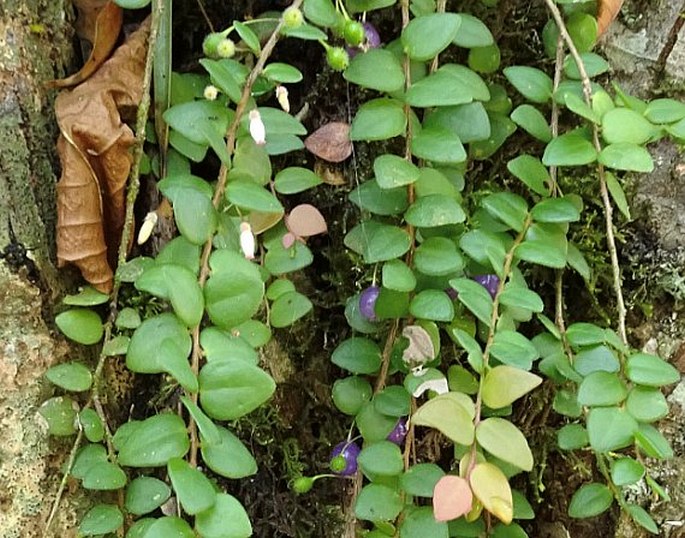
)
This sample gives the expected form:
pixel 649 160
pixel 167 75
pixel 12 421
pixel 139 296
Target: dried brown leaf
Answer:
pixel 330 142
pixel 607 10
pixel 105 35
pixel 329 174
pixel 305 220
pixel 94 151
pixel 420 348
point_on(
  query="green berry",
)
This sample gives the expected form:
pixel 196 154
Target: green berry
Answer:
pixel 225 49
pixel 303 484
pixel 293 18
pixel 354 33
pixel 338 464
pixel 337 58
pixel 211 42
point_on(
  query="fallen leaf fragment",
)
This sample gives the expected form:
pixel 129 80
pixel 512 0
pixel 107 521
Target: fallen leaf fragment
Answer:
pixel 107 28
pixel 330 142
pixel 94 152
pixel 607 10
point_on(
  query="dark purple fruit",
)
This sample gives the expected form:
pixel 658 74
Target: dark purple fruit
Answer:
pixel 344 458
pixel 367 302
pixel 373 38
pixel 489 282
pixel 399 432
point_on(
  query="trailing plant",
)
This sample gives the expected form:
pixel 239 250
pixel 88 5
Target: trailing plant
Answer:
pixel 447 333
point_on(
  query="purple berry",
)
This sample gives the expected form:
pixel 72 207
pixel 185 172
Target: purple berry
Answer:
pixel 489 282
pixel 344 458
pixel 367 302
pixel 452 293
pixel 399 432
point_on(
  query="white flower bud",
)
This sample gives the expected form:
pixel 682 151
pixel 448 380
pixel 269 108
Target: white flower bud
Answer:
pixel 257 129
pixel 247 241
pixel 211 92
pixel 282 96
pixel 147 227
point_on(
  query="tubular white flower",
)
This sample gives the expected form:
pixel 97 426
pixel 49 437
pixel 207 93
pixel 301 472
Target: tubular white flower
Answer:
pixel 247 240
pixel 147 227
pixel 282 96
pixel 257 129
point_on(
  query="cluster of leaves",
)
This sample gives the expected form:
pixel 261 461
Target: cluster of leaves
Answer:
pixel 448 274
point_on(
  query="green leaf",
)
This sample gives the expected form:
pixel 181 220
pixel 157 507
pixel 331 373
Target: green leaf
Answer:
pixel 226 519
pixel 132 4
pixel 617 194
pixel 376 502
pixel 665 111
pixel 474 297
pixel 501 129
pixel 166 526
pixel 509 208
pixel 378 119
pixel 420 522
pixel 610 428
pixel 128 318
pixel 640 516
pixel 584 334
pixel 590 500
pixel 381 459
pixel 533 84
pixel 80 325
pixel 222 77
pixel 350 394
pixel 439 145
pixel 377 69
pixel 199 121
pixel 288 308
pixel 393 171
pixel 622 125
pixel 626 471
pixel 650 370
pixel 420 479
pixel 145 494
pixel 432 304
pixel 491 488
pixel 195 217
pixel 531 172
pixel 520 297
pixel 60 414
pixel 295 179
pixel 485 60
pixel 447 415
pixel 572 437
pixel 583 29
pixel 472 33
pixel 249 195
pixel 371 197
pixel 357 355
pixel 250 162
pixel 88 296
pixel 104 476
pixel 358 6
pixel 208 430
pixel 601 389
pixel 178 285
pixel 92 425
pixel 531 120
pixel 255 333
pixel 594 65
pixel 229 457
pixel 514 349
pixel 438 256
pixel 624 156
pixel 305 31
pixel 101 519
pixel 193 489
pixel 281 72
pixel 469 121
pixel 72 376
pixel 566 403
pixel 393 401
pixel 87 456
pixel 154 442
pixel 505 441
pixel 277 122
pixel 428 35
pixel 646 404
pixel 434 210
pixel 280 260
pixel 321 12
pixel 545 244
pixel 248 36
pixel 569 150
pixel 505 384
pixel 278 287
pixel 596 359
pixel 439 89
pixel 652 442
pixel 377 242
pixel 398 276
pixel 234 291
pixel 470 79
pixel 232 389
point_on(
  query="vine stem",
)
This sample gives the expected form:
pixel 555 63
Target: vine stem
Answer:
pixel 216 200
pixel 131 195
pixel 604 192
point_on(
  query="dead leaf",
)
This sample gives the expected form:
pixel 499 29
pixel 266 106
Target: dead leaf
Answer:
pixel 420 348
pixel 94 151
pixel 106 33
pixel 330 142
pixel 305 220
pixel 607 10
pixel 329 174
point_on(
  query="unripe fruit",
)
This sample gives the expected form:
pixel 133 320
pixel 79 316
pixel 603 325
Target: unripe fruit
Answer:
pixel 344 458
pixel 292 18
pixel 489 282
pixel 211 42
pixel 367 302
pixel 303 484
pixel 354 33
pixel 225 49
pixel 337 58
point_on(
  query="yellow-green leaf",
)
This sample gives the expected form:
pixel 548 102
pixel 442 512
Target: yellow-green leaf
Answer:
pixel 491 488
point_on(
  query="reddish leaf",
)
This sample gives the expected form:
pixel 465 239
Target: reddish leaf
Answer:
pixel 330 142
pixel 607 10
pixel 106 33
pixel 452 498
pixel 94 148
pixel 305 220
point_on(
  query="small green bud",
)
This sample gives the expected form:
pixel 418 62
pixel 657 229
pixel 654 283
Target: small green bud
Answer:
pixel 293 18
pixel 225 49
pixel 211 42
pixel 354 33
pixel 303 484
pixel 337 58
